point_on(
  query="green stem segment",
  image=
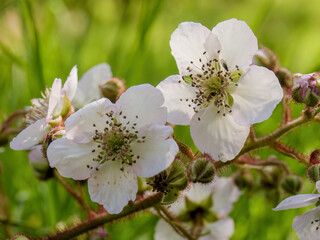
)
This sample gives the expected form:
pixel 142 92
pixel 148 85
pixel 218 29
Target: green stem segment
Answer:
pixel 105 218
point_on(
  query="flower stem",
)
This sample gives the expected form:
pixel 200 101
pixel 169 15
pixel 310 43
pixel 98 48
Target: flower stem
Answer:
pixel 101 219
pixel 73 193
pixel 173 222
pixel 289 152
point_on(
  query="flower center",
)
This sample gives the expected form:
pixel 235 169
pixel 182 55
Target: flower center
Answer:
pixel 212 82
pixel 114 142
pixel 39 109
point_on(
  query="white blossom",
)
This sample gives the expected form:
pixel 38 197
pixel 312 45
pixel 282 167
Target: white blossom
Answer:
pixel 218 92
pixel 111 144
pixel 212 201
pixel 46 112
pixel 307 225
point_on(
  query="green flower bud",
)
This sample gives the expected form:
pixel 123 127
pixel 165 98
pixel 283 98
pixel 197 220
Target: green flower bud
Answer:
pixel 202 170
pixel 292 184
pixel 39 164
pixel 112 88
pixel 285 77
pixel 170 182
pixel 313 173
pixel 273 196
pixel 267 58
pixel 20 236
pixel 243 179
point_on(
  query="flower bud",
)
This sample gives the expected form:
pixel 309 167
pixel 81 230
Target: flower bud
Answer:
pixel 285 77
pixel 315 157
pixel 244 179
pixel 306 88
pixel 267 58
pixel 20 236
pixel 39 164
pixel 292 184
pixel 273 196
pixel 313 173
pixel 202 170
pixel 170 182
pixel 112 88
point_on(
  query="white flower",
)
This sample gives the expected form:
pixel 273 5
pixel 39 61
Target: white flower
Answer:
pixel 218 92
pixel 307 225
pixel 46 112
pixel 212 201
pixel 88 85
pixel 111 144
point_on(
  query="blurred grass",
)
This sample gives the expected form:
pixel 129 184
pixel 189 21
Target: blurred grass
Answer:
pixel 42 40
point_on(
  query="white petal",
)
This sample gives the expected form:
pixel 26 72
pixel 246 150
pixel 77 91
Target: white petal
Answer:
pixel 113 188
pixel 142 104
pixel 70 86
pixel 30 136
pixel 88 86
pixel 257 94
pixel 318 186
pixel 156 153
pixel 308 225
pixel 165 232
pixel 79 126
pixel 36 155
pixel 217 135
pixel 188 44
pixel 238 42
pixel 176 92
pixel 71 159
pixel 298 201
pixel 55 96
pixel 225 194
pixel 222 229
pixel 198 192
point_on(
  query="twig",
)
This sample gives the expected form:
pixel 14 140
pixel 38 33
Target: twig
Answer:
pixel 101 219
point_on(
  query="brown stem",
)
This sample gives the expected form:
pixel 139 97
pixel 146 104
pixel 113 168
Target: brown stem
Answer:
pixel 101 219
pixel 270 161
pixel 286 115
pixel 289 152
pixel 172 221
pixel 73 193
pixel 267 140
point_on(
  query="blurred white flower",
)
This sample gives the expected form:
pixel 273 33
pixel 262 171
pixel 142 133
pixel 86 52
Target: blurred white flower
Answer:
pixel 211 202
pixel 46 112
pixel 307 225
pixel 218 92
pixel 88 85
pixel 111 144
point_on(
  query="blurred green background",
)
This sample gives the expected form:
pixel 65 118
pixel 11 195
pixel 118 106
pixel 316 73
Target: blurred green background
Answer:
pixel 41 40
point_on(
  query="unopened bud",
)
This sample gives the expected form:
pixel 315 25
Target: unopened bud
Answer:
pixel 244 179
pixel 315 157
pixel 313 173
pixel 285 77
pixel 306 88
pixel 20 236
pixel 170 182
pixel 202 170
pixel 292 184
pixel 273 196
pixel 112 88
pixel 267 58
pixel 39 164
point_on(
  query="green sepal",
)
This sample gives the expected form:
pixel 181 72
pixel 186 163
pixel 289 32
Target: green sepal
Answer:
pixel 170 197
pixel 230 98
pixel 177 177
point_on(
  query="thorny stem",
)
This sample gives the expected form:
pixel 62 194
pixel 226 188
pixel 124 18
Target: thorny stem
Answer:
pixel 101 219
pixel 268 140
pixel 289 152
pixel 270 161
pixel 73 193
pixel 173 222
pixel 286 115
